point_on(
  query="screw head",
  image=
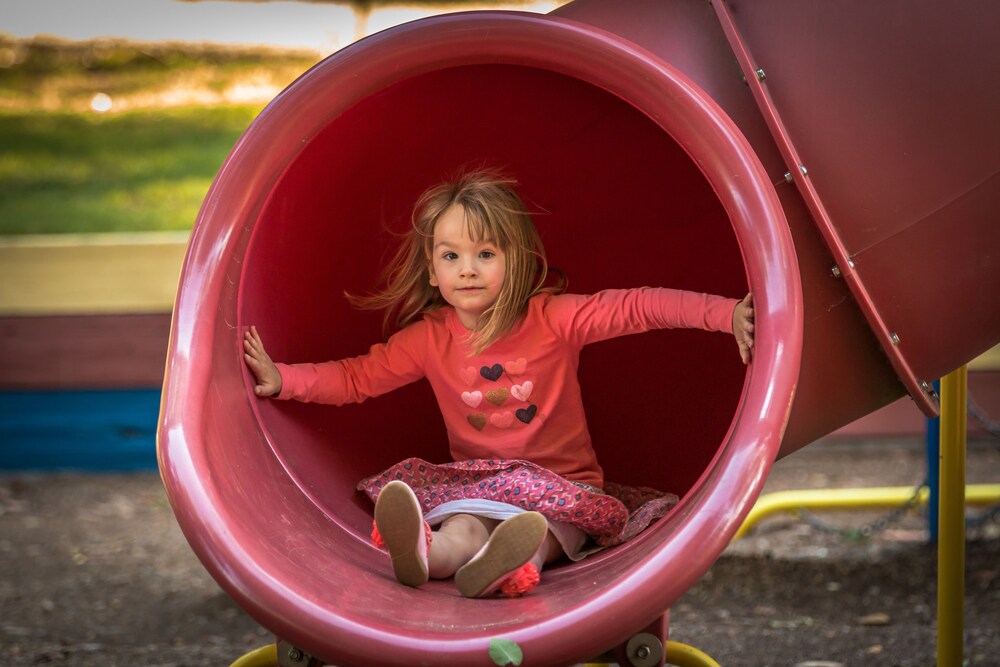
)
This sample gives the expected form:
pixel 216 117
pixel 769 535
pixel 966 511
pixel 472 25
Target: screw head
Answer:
pixel 760 74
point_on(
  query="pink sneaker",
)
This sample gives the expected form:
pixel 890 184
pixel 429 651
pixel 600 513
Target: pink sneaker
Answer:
pixel 400 526
pixel 504 559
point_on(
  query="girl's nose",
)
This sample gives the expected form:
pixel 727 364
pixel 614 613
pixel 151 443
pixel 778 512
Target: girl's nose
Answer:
pixel 468 268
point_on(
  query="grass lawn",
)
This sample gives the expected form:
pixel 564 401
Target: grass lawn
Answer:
pixel 144 170
pixel 146 164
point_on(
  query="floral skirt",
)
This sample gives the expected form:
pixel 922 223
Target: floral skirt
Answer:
pixel 609 518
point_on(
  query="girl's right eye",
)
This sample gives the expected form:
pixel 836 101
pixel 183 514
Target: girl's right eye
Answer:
pixel 450 256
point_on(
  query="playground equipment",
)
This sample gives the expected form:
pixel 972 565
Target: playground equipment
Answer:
pixel 777 146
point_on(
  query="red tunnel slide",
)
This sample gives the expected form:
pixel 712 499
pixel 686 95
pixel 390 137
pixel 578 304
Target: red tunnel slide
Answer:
pixel 841 163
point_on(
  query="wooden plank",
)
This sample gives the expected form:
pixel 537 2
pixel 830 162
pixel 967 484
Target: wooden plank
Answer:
pixel 79 430
pixel 987 361
pixel 90 273
pixel 83 351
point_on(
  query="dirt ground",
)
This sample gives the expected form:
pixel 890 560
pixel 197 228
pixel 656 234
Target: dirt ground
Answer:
pixel 95 572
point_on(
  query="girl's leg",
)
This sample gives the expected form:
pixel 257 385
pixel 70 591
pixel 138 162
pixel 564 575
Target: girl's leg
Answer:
pixel 463 540
pixel 457 540
pixel 400 524
pixel 462 536
pixel 520 540
pixel 550 552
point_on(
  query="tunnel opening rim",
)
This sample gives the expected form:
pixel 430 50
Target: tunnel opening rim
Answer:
pixel 525 34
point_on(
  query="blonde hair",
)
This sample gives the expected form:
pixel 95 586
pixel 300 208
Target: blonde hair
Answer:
pixel 493 212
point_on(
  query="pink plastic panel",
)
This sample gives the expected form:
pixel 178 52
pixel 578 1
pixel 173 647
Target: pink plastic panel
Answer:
pixel 886 106
pixel 891 107
pixel 638 178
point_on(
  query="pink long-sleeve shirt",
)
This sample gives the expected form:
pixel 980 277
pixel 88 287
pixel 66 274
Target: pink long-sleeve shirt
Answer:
pixel 520 398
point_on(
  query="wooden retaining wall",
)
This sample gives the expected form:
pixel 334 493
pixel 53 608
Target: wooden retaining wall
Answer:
pixel 84 324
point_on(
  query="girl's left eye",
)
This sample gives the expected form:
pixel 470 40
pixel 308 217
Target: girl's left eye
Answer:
pixel 487 254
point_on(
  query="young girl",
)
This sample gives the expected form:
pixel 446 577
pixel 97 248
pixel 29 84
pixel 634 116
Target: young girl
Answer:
pixel 500 348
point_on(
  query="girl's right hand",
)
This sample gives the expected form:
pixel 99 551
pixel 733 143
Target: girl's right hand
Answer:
pixel 260 364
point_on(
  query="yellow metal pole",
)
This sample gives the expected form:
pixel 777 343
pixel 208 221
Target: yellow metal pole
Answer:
pixel 683 655
pixel 951 520
pixel 265 656
pixel 880 497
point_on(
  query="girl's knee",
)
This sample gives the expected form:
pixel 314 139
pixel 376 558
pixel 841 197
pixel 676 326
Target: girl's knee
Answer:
pixel 468 526
pixel 455 542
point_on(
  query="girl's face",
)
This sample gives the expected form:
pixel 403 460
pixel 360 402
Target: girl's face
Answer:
pixel 468 273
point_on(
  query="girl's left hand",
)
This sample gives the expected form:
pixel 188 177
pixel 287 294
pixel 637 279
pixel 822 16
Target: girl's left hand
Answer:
pixel 743 327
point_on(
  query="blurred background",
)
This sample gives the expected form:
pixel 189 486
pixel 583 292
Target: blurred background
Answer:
pixel 115 116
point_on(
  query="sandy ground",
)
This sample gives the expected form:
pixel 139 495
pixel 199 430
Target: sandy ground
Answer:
pixel 95 572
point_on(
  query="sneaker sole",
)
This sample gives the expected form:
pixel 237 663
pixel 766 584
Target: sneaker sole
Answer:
pixel 401 524
pixel 511 545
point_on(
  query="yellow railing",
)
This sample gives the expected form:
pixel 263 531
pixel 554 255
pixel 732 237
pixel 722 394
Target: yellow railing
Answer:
pixel 883 497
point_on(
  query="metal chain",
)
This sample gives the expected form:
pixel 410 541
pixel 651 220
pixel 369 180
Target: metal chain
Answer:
pixel 993 428
pixel 869 529
pixel 891 517
pixel 989 425
pixel 883 522
pixel 992 514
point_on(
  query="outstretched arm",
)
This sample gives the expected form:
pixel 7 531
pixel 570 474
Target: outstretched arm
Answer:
pixel 743 327
pixel 260 364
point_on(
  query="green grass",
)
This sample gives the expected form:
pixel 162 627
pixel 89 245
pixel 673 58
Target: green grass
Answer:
pixel 55 75
pixel 144 170
pixel 147 164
